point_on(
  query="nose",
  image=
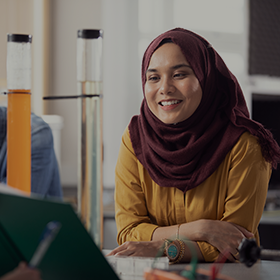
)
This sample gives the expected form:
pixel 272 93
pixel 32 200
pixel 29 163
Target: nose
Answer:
pixel 166 86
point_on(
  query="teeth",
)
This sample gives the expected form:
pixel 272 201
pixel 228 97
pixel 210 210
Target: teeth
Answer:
pixel 168 103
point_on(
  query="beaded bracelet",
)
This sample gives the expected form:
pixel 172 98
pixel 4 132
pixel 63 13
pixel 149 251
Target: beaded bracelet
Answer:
pixel 166 243
pixel 173 255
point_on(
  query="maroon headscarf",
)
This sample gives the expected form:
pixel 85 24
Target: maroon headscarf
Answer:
pixel 183 155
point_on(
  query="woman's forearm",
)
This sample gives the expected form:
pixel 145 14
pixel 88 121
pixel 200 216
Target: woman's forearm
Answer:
pixel 188 232
pixel 190 247
pixel 191 231
pixel 224 236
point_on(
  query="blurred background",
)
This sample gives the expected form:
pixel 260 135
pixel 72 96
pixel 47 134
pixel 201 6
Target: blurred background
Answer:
pixel 244 32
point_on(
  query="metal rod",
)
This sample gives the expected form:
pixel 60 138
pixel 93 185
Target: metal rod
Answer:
pixel 273 255
pixel 90 172
pixel 71 96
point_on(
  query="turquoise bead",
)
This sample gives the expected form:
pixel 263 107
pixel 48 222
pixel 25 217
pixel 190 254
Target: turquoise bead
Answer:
pixel 172 251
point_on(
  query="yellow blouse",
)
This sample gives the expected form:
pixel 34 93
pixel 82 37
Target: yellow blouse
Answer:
pixel 235 192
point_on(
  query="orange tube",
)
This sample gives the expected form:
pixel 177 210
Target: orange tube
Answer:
pixel 19 140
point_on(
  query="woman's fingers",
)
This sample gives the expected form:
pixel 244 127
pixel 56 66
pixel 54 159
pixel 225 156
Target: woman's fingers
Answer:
pixel 127 249
pixel 236 255
pixel 246 233
pixel 227 254
pixel 133 248
pixel 229 250
pixel 119 249
pixel 225 236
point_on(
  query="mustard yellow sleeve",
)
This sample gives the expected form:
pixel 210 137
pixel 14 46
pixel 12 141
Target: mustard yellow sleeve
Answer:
pixel 133 222
pixel 247 183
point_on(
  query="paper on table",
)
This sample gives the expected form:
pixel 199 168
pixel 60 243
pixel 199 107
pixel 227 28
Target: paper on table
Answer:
pixel 134 266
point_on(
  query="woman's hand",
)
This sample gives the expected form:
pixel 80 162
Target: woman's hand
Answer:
pixel 225 236
pixel 22 272
pixel 140 249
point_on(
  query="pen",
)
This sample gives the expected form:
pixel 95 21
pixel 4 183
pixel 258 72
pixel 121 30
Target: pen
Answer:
pixel 48 235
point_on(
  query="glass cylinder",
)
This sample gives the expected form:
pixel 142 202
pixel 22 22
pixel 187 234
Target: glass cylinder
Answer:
pixel 19 111
pixel 89 77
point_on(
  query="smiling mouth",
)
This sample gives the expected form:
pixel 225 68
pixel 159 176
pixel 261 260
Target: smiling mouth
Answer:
pixel 168 103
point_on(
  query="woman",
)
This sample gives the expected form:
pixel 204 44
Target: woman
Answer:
pixel 192 164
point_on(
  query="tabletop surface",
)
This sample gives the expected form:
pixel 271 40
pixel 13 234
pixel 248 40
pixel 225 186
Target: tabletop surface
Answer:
pixel 132 268
pixel 262 270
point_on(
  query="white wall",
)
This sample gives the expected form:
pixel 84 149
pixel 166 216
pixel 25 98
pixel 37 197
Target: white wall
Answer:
pixel 125 37
pixel 122 89
pixel 129 25
pixel 122 86
pixel 66 18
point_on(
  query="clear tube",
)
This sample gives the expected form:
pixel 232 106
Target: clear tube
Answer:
pixel 89 76
pixel 19 111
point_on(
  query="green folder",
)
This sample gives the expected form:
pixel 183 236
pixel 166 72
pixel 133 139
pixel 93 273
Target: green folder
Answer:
pixel 72 255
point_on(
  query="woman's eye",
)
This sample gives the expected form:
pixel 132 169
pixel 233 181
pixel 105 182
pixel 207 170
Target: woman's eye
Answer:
pixel 153 78
pixel 180 75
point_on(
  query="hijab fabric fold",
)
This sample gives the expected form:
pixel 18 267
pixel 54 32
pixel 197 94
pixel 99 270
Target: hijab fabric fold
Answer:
pixel 185 154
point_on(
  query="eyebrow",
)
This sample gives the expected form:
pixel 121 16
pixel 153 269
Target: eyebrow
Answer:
pixel 180 65
pixel 173 67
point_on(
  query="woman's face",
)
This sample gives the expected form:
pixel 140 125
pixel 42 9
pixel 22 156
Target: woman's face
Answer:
pixel 172 90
